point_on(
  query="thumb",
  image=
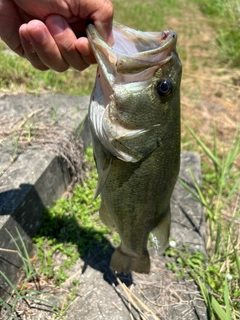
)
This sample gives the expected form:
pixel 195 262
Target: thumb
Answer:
pixel 102 19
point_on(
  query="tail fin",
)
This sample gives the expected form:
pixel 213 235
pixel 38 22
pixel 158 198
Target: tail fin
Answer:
pixel 124 263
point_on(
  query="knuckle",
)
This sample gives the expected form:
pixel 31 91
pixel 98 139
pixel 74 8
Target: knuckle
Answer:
pixel 39 65
pixel 60 68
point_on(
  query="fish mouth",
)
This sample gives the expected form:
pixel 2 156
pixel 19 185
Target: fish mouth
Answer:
pixel 133 51
pixel 128 70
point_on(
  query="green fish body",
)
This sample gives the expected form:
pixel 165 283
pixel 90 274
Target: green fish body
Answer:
pixel 134 117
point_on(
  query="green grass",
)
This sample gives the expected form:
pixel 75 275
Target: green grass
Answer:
pixel 22 293
pixel 218 273
pixel 224 16
pixel 71 228
pixel 18 75
pixel 149 15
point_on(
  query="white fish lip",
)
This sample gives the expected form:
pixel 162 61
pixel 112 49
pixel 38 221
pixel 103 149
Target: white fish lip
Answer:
pixel 136 52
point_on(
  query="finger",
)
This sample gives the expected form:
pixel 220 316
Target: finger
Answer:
pixel 29 52
pixel 10 21
pixel 102 18
pixel 65 39
pixel 83 46
pixel 45 47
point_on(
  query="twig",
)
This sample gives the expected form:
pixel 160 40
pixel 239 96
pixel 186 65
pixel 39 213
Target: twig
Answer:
pixel 132 297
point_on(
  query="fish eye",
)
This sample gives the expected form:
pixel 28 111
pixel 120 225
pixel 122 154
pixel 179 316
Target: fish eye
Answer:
pixel 164 87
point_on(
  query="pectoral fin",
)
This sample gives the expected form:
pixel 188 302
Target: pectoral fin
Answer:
pixel 102 177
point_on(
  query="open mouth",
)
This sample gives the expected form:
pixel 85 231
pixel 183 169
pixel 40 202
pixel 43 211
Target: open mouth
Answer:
pixel 133 51
pixel 131 42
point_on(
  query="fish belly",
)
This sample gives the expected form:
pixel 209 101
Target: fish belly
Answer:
pixel 136 201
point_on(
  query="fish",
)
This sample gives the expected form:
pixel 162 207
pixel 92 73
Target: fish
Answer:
pixel 134 119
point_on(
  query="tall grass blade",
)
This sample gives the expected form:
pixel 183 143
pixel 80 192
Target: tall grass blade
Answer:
pixel 237 259
pixel 206 298
pixel 207 151
pixel 226 299
pixel 212 304
pixel 18 249
pixel 197 196
pixel 218 238
pixel 10 284
pixel 8 309
pixel 29 268
pixel 233 190
pixel 215 150
pixel 189 189
pixel 24 294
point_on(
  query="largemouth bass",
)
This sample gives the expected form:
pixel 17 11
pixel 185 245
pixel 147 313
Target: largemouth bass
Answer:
pixel 134 117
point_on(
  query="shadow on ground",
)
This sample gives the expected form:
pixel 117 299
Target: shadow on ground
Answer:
pixel 20 213
pixel 94 248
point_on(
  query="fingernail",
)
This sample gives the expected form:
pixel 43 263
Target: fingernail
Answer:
pixel 37 31
pixel 105 32
pixel 56 25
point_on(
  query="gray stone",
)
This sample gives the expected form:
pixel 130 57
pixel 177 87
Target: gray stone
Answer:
pixel 37 177
pixel 36 112
pixel 188 220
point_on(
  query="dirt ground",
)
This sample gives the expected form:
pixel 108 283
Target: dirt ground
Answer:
pixel 210 89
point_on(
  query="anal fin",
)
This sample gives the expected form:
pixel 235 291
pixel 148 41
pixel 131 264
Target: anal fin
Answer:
pixel 161 233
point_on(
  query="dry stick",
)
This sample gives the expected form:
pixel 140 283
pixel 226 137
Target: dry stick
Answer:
pixel 73 276
pixel 132 296
pixel 29 116
pixel 128 299
pixel 130 307
pixel 116 306
pixel 24 121
pixel 145 297
pixel 8 250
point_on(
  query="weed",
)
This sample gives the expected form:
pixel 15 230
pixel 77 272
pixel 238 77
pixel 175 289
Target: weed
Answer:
pixel 225 17
pixel 71 228
pixel 21 293
pixel 217 274
pixel 17 74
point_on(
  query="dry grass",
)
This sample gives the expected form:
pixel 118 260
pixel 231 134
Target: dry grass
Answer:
pixel 29 132
pixel 210 93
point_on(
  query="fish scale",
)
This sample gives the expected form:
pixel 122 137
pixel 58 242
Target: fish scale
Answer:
pixel 134 117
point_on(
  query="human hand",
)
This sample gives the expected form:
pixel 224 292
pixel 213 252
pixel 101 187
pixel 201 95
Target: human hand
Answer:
pixel 51 33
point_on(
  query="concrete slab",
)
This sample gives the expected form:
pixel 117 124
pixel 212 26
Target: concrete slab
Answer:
pixel 24 116
pixel 188 219
pixel 32 176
